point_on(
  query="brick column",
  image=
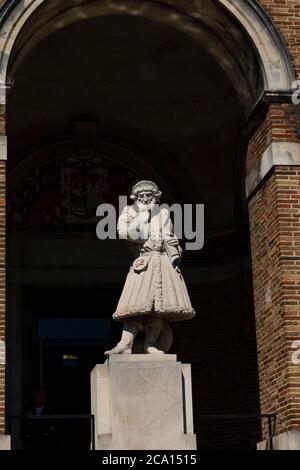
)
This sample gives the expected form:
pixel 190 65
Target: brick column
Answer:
pixel 273 187
pixel 2 271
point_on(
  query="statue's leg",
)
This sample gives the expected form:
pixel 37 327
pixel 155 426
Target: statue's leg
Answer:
pixel 124 346
pixel 153 329
pixel 165 339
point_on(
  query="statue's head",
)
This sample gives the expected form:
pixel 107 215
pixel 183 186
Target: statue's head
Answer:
pixel 145 192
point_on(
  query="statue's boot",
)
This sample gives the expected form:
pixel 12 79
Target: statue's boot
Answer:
pixel 153 350
pixel 121 348
pixel 152 332
pixel 130 330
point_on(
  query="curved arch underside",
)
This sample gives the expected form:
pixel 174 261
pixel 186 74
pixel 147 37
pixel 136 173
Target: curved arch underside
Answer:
pixel 218 26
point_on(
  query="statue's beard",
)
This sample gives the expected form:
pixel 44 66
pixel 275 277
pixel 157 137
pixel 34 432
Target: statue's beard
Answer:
pixel 146 207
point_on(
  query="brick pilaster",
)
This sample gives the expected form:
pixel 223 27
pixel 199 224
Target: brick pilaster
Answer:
pixel 2 295
pixel 2 276
pixel 274 211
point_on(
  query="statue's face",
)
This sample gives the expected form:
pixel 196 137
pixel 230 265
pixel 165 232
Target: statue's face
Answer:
pixel 145 197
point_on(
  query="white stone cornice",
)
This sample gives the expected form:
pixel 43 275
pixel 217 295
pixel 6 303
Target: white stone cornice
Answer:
pixel 2 353
pixel 3 147
pixel 277 154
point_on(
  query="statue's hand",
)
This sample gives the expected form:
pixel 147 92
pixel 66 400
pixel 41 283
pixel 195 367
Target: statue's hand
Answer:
pixel 145 216
pixel 177 269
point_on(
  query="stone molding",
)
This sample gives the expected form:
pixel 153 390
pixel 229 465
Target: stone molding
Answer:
pixel 289 440
pixel 2 353
pixel 278 73
pixel 3 147
pixel 276 63
pixel 277 154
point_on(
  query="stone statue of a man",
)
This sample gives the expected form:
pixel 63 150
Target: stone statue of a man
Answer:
pixel 154 293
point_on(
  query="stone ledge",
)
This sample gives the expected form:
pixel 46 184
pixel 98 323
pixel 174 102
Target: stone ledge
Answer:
pixel 277 154
pixel 128 358
pixel 289 440
pixel 3 147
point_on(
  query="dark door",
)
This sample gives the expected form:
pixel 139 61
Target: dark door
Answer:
pixel 67 335
pixel 66 370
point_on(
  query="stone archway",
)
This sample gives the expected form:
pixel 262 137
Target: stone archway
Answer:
pixel 252 55
pixel 274 59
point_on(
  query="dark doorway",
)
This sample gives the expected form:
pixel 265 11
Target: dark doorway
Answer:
pixel 70 330
pixel 67 376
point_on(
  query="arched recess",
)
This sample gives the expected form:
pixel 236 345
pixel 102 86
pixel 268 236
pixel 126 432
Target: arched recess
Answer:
pixel 24 23
pixel 251 67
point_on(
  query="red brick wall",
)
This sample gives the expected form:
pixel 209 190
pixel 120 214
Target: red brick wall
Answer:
pixel 286 17
pixel 2 288
pixel 2 270
pixel 275 235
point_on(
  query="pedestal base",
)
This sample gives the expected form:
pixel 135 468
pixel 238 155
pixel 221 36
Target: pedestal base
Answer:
pixel 142 402
pixel 289 440
pixel 5 442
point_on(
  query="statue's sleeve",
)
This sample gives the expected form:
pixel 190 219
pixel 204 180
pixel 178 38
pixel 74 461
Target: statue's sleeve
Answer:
pixel 173 247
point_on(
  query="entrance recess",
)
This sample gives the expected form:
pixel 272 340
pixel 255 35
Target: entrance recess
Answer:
pixel 100 93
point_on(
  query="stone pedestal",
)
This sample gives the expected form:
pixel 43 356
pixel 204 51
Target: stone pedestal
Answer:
pixel 4 442
pixel 142 402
